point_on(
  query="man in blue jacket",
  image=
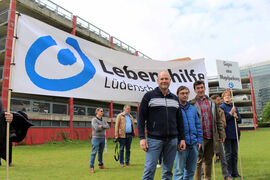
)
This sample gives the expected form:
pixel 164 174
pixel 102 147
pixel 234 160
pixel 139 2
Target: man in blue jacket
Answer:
pixel 165 129
pixel 185 161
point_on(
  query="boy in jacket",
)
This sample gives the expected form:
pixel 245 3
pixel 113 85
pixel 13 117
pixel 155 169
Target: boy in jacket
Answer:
pixel 185 161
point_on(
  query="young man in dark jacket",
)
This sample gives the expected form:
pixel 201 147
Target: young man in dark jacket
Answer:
pixel 185 161
pixel 165 129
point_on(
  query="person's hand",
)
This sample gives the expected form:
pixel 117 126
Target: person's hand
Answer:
pixel 199 146
pixel 222 140
pixel 100 126
pixel 143 144
pixel 116 139
pixel 232 111
pixel 235 115
pixel 9 117
pixel 182 146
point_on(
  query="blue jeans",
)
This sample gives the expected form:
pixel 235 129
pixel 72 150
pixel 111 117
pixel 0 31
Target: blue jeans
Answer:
pixel 125 143
pixel 231 154
pixel 185 163
pixel 155 147
pixel 97 146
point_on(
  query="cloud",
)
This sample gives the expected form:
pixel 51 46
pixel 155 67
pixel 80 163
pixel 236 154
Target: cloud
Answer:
pixel 253 54
pixel 229 30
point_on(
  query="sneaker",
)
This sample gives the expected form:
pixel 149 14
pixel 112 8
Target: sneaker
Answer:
pixel 102 167
pixel 92 170
pixel 122 165
pixel 128 164
pixel 159 166
pixel 236 176
pixel 228 178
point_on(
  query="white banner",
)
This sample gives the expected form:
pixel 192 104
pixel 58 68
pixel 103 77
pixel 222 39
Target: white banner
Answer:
pixel 229 74
pixel 49 61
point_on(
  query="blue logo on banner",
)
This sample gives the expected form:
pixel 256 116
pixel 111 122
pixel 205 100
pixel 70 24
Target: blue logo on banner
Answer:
pixel 65 57
pixel 231 85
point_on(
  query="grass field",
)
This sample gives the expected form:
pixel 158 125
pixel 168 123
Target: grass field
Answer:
pixel 70 161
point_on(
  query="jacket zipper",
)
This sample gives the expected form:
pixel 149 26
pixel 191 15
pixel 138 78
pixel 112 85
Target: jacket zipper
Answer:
pixel 212 116
pixel 167 116
pixel 188 126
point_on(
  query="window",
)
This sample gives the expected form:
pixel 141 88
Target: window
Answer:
pixel 116 112
pixel 60 108
pixel 1 71
pixel 41 107
pixel 79 110
pixel 88 124
pixel 20 105
pixel 81 124
pixel 106 112
pixel 46 123
pixel 36 123
pixel 56 123
pixel 133 114
pixel 64 123
pixel 91 111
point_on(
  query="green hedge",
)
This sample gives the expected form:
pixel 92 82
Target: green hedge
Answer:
pixel 267 124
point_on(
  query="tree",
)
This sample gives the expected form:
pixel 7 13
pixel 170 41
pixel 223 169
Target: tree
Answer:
pixel 266 113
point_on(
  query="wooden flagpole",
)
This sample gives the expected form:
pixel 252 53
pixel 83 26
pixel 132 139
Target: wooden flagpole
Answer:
pixel 9 93
pixel 214 169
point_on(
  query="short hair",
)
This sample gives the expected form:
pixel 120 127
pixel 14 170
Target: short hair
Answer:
pixel 165 72
pixel 198 82
pixel 125 106
pixel 224 93
pixel 215 96
pixel 181 88
pixel 98 109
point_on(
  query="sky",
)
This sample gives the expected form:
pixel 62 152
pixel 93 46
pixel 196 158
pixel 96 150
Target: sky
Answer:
pixel 230 30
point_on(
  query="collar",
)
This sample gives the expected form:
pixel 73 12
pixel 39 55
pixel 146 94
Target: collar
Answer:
pixel 199 99
pixel 185 107
pixel 230 104
pixel 98 118
pixel 159 91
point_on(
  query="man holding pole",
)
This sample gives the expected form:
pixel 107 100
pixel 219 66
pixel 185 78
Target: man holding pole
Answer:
pixel 8 117
pixel 230 144
pixel 212 127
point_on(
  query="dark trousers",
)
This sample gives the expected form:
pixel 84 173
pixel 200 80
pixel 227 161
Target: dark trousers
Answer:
pixel 231 154
pixel 125 143
pixel 3 152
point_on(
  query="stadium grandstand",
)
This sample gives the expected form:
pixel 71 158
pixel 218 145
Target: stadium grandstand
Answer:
pixel 57 118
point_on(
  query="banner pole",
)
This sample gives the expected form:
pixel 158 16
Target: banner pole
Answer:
pixel 214 170
pixel 236 131
pixel 9 93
